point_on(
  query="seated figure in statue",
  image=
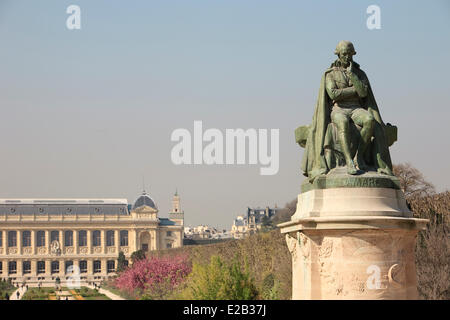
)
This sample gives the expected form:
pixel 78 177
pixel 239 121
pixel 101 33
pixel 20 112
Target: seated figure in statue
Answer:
pixel 347 129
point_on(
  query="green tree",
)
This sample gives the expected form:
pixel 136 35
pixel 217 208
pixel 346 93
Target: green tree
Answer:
pixel 266 224
pixel 121 262
pixel 138 255
pixel 220 281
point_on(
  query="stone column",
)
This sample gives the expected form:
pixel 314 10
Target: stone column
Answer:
pixel 104 267
pixel 47 241
pixel 61 241
pixel 90 267
pixel 117 241
pixel 103 240
pixel 353 243
pixel 154 240
pixel 89 242
pixel 19 267
pixel 62 270
pixel 33 242
pixel 48 268
pixel 5 241
pixel 33 263
pixel 76 263
pixel 134 244
pixel 19 242
pixel 75 241
pixel 6 268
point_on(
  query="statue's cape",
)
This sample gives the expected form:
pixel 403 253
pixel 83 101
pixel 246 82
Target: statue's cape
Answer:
pixel 313 162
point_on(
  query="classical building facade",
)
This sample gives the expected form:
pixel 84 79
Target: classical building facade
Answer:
pixel 255 217
pixel 45 239
pixel 252 221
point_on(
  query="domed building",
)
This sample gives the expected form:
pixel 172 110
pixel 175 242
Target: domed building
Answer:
pixel 45 239
pixel 144 200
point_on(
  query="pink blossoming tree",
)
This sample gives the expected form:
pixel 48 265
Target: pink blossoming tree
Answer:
pixel 154 278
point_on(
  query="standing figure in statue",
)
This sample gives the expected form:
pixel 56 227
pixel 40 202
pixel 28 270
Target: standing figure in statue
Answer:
pixel 347 129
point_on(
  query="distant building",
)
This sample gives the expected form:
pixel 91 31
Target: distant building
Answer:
pixel 42 239
pixel 257 216
pixel 200 232
pixel 239 229
pixel 252 221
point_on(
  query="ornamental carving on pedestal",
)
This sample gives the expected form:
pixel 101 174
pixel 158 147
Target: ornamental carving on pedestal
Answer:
pixel 397 275
pixel 292 246
pixel 305 246
pixel 329 267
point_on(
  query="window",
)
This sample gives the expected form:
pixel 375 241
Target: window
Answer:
pixel 26 267
pixel 111 266
pixel 55 266
pixel 1 239
pixel 40 239
pixel 82 238
pixel 110 238
pixel 169 245
pixel 96 238
pixel 169 233
pixel 68 238
pixel 124 238
pixel 97 266
pixel 12 238
pixel 26 239
pixel 1 266
pixel 40 267
pixel 54 236
pixel 12 267
pixel 67 265
pixel 83 266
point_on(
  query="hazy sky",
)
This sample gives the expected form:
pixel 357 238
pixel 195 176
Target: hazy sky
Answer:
pixel 87 113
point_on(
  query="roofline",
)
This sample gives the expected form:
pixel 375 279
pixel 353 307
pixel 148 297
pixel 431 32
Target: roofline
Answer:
pixel 65 201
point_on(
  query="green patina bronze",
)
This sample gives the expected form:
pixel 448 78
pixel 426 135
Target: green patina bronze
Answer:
pixel 346 130
pixel 338 178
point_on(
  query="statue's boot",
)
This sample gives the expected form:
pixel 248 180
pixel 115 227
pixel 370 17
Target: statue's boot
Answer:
pixel 351 169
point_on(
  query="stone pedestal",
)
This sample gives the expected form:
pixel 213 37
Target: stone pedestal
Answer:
pixel 353 242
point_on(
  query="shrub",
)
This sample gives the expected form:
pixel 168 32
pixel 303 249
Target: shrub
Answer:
pixel 220 281
pixel 138 255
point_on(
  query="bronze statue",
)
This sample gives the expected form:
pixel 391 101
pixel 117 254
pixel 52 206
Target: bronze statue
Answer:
pixel 347 129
